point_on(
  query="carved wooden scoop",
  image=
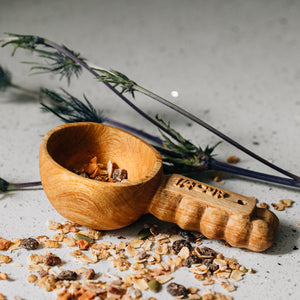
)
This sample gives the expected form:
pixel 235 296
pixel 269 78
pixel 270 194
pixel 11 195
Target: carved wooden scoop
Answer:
pixel 215 212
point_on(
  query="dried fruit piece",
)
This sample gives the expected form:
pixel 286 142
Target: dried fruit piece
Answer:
pixel 133 293
pixel 209 263
pixel 141 283
pixel 5 259
pixel 41 238
pixel 199 269
pixel 163 278
pixel 67 275
pixel 86 273
pixel 2 297
pixel 52 260
pixel 59 237
pixel 263 205
pixel 187 235
pixel 184 253
pixel 32 278
pixel 278 207
pixel 69 241
pixel 119 175
pixel 82 244
pixel 286 202
pixel 232 159
pixel 131 252
pixel 193 289
pixel 194 296
pixel 191 260
pixel 177 290
pixel 154 286
pixel 29 244
pixel 36 259
pixel 47 282
pixel 3 276
pixel 135 243
pixel 177 245
pixel 51 244
pixel 206 251
pixel 54 225
pixel 229 287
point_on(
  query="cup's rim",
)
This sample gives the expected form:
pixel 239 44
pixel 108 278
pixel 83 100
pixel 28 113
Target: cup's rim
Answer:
pixel 153 173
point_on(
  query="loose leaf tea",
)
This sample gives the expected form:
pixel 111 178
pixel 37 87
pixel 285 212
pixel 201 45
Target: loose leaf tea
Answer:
pixel 98 171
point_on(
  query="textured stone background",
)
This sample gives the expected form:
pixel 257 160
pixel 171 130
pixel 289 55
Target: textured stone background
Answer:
pixel 235 64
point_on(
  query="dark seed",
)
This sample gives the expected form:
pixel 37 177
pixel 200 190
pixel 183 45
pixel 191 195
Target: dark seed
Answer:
pixel 207 251
pixel 52 260
pixel 207 261
pixel 192 259
pixel 177 245
pixel 198 236
pixel 67 275
pixel 144 233
pixel 177 290
pixel 29 244
pixel 187 235
pixel 119 174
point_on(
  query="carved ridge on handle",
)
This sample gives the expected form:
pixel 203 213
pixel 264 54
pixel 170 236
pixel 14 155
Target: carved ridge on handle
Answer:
pixel 215 212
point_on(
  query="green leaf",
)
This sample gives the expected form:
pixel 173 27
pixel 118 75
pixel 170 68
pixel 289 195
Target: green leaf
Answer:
pixel 70 109
pixel 192 157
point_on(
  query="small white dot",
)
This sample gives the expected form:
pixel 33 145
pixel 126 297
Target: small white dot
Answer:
pixel 174 94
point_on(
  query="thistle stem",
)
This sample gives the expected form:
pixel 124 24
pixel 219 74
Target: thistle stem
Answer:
pixel 26 91
pixel 213 130
pixel 217 165
pixel 134 130
pixel 24 185
pixel 94 73
pixel 6 186
pixel 136 87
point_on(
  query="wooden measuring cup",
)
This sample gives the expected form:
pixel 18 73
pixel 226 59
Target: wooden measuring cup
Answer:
pixel 215 212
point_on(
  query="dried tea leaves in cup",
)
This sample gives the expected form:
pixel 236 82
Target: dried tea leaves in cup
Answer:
pixel 98 171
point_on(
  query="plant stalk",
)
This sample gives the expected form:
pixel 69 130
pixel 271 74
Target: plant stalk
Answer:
pixel 215 131
pixel 6 186
pixel 177 109
pixel 26 91
pixel 217 165
pixel 134 130
pixel 94 73
pixel 183 112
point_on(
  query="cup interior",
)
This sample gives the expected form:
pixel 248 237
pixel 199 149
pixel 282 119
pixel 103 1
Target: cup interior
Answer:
pixel 73 145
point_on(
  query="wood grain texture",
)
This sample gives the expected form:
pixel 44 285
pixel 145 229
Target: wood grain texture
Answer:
pixel 99 205
pixel 217 213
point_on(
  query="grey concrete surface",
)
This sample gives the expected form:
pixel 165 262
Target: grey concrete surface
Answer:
pixel 235 64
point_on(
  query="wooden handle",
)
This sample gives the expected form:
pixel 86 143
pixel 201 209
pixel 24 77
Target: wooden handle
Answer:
pixel 215 212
